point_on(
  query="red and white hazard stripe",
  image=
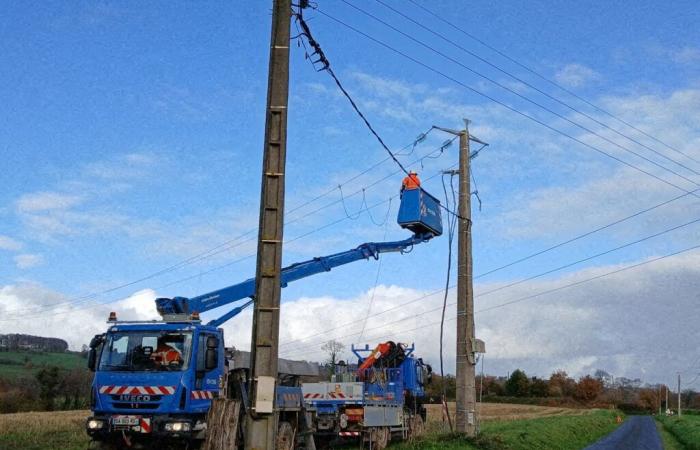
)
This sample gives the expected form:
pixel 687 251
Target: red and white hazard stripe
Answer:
pixel 137 390
pixel 203 395
pixel 348 433
pixel 313 395
pixel 145 425
pixel 337 395
pixel 291 397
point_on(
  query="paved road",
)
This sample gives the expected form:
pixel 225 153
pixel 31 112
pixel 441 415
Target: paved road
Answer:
pixel 636 433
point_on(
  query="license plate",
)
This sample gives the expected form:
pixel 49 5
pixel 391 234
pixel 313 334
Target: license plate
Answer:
pixel 125 420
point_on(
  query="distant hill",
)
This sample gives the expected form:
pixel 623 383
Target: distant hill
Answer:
pixel 15 342
pixel 24 364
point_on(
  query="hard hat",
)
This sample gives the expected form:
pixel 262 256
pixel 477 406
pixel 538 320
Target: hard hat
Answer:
pixel 412 172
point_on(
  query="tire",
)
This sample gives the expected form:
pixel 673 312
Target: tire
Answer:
pixel 416 427
pixel 379 438
pixel 285 436
pixel 101 445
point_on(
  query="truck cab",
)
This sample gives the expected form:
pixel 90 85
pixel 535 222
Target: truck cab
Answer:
pixel 154 379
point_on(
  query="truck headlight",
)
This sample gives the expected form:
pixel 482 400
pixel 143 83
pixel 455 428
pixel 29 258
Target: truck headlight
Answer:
pixel 177 427
pixel 95 424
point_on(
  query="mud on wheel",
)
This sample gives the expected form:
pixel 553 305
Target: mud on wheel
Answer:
pixel 285 436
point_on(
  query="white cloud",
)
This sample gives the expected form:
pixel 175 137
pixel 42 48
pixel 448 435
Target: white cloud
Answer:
pixel 576 75
pixel 8 243
pixel 614 323
pixel 604 196
pixel 28 260
pixel 618 323
pixel 687 55
pixel 46 201
pixel 51 315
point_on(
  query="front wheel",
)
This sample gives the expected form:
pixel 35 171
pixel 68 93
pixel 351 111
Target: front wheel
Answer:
pixel 285 436
pixel 416 427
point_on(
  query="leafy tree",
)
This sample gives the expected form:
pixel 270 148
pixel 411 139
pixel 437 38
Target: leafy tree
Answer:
pixel 588 389
pixel 518 385
pixel 491 386
pixel 50 383
pixel 76 388
pixel 434 389
pixel 561 385
pixel 648 399
pixel 538 387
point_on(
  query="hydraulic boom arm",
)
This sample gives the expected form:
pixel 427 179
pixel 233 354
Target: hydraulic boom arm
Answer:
pixel 297 271
pixel 419 212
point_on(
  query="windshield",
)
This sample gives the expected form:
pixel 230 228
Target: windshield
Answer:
pixel 155 351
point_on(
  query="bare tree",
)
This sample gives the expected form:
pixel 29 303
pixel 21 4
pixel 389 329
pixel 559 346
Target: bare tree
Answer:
pixel 333 348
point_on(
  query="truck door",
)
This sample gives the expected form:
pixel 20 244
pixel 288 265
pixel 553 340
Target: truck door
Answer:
pixel 208 369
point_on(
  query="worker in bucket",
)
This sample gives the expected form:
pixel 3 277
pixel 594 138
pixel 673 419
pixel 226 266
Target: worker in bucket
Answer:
pixel 411 181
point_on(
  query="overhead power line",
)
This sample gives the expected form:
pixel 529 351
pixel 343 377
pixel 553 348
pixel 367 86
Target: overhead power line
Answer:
pixel 518 300
pixel 506 106
pixel 512 263
pixel 578 283
pixel 551 82
pixel 550 271
pixel 42 310
pixel 326 67
pixel 533 102
pixel 526 83
pixel 588 258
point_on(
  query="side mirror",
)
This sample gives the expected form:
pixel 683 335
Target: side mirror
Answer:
pixel 210 358
pixel 97 340
pixel 92 359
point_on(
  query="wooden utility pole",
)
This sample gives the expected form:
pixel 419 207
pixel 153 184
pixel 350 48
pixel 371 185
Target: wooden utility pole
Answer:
pixel 466 358
pixel 679 394
pixel 261 424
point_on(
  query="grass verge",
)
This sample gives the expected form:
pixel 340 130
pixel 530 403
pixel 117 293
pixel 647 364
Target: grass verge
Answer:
pixel 686 430
pixel 556 432
pixel 668 440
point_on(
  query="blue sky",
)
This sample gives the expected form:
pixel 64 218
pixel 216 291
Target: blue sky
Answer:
pixel 132 133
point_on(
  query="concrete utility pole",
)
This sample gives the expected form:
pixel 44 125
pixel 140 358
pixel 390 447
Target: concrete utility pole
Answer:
pixel 261 424
pixel 679 394
pixel 466 359
pixel 467 344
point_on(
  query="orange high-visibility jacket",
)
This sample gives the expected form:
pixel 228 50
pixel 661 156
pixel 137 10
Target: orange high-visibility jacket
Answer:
pixel 411 182
pixel 166 354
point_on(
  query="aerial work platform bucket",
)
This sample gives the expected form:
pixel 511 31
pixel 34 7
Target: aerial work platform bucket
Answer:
pixel 420 212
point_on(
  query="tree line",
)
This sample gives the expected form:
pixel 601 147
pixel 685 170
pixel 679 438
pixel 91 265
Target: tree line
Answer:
pixel 597 390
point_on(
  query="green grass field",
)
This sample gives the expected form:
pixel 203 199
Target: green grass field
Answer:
pixel 685 429
pixel 556 432
pixel 14 365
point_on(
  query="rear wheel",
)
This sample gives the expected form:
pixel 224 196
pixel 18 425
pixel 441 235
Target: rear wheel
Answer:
pixel 379 438
pixel 285 436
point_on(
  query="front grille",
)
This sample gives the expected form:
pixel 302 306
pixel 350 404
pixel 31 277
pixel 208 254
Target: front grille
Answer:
pixel 136 398
pixel 122 405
